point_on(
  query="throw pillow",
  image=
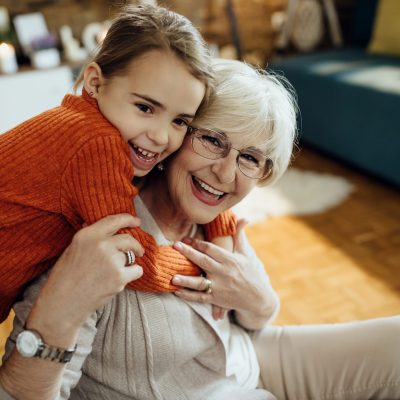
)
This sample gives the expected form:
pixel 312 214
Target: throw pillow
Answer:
pixel 386 32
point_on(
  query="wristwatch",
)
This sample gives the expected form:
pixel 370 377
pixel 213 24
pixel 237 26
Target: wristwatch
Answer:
pixel 30 344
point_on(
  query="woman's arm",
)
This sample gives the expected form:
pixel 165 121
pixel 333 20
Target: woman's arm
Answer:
pixel 89 273
pixel 239 281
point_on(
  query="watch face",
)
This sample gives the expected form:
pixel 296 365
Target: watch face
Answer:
pixel 27 343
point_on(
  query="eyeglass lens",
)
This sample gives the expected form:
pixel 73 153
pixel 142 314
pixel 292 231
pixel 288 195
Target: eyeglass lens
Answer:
pixel 214 145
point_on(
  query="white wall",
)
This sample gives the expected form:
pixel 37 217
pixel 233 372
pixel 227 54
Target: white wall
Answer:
pixel 26 94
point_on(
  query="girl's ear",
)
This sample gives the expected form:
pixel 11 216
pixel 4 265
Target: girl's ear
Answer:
pixel 92 79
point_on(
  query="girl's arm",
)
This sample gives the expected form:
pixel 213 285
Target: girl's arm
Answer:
pixel 88 274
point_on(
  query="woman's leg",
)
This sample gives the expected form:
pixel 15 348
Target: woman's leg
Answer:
pixel 358 360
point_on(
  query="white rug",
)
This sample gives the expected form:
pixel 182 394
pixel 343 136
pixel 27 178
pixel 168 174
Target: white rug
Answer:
pixel 298 192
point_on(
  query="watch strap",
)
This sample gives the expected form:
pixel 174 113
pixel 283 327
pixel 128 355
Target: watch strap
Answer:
pixel 57 354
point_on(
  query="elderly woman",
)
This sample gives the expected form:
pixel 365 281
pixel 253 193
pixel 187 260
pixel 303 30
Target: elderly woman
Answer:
pixel 168 346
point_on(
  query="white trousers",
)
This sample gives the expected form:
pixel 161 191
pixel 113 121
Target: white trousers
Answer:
pixel 358 360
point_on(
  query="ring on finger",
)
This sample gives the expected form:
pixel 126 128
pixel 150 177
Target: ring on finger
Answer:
pixel 130 258
pixel 208 286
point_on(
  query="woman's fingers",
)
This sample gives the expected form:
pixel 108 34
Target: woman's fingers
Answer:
pixel 206 255
pixel 218 312
pixel 194 295
pixel 201 253
pixel 239 238
pixel 198 283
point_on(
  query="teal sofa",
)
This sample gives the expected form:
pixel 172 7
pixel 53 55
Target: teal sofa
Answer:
pixel 349 103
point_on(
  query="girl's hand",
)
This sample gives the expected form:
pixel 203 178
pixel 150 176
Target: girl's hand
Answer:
pixel 88 274
pixel 237 283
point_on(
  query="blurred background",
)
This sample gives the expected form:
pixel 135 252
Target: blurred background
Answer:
pixel 329 232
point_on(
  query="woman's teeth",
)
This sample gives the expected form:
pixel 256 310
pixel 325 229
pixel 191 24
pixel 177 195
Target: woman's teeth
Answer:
pixel 208 188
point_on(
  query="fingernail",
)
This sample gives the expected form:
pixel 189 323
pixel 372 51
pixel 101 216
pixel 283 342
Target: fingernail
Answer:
pixel 178 245
pixel 176 280
pixel 178 293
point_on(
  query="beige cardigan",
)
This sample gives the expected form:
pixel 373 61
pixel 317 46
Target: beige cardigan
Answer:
pixel 156 346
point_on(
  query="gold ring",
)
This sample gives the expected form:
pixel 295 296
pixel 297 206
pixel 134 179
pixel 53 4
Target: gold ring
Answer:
pixel 208 288
pixel 130 258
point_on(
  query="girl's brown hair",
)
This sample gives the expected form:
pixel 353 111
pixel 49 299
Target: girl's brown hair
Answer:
pixel 137 30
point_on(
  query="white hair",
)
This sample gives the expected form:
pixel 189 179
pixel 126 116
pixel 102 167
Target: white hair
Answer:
pixel 253 103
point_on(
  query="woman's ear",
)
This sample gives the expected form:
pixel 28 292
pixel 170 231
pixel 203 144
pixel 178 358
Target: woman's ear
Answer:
pixel 92 79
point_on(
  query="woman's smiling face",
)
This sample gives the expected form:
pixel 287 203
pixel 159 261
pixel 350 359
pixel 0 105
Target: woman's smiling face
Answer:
pixel 202 188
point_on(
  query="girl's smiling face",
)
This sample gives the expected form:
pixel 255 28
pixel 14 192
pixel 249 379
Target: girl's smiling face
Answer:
pixel 151 104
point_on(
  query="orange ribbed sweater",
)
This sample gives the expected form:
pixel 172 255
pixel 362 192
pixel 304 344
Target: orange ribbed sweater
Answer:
pixel 66 167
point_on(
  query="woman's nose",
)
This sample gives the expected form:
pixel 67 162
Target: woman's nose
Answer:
pixel 225 168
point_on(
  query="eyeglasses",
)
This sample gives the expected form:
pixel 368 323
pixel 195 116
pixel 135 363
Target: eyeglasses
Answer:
pixel 214 145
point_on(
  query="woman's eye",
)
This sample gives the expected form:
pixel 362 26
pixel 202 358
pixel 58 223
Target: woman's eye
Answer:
pixel 211 140
pixel 249 159
pixel 181 122
pixel 144 108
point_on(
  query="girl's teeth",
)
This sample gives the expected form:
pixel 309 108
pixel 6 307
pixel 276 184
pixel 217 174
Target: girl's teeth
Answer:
pixel 208 188
pixel 144 152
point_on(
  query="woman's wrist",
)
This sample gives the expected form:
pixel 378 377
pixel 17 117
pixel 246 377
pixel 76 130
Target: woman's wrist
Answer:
pixel 251 320
pixel 266 308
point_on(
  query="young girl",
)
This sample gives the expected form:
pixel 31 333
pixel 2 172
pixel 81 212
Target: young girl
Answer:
pixel 74 164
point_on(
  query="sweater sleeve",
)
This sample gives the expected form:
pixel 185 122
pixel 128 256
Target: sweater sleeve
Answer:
pixel 223 225
pixel 97 183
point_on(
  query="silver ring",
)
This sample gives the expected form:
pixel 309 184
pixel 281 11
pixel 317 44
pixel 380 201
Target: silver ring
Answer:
pixel 130 258
pixel 208 288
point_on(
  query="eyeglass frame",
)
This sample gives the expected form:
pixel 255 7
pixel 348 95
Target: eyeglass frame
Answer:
pixel 191 130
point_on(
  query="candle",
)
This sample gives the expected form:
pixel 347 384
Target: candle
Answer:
pixel 8 61
pixel 4 20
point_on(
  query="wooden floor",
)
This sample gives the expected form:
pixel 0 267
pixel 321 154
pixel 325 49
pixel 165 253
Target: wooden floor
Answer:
pixel 341 265
pixel 338 266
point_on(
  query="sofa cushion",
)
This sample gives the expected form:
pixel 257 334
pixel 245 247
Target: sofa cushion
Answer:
pixel 349 102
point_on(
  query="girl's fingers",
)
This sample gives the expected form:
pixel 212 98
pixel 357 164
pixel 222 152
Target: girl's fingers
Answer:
pixel 133 272
pixel 110 225
pixel 126 242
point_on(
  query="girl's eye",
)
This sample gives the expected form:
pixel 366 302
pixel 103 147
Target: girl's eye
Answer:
pixel 144 108
pixel 181 122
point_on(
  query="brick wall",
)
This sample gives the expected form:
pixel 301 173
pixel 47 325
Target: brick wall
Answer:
pixel 75 13
pixel 210 16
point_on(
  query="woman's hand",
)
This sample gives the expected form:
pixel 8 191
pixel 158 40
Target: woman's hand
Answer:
pixel 88 274
pixel 237 283
pixel 227 243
